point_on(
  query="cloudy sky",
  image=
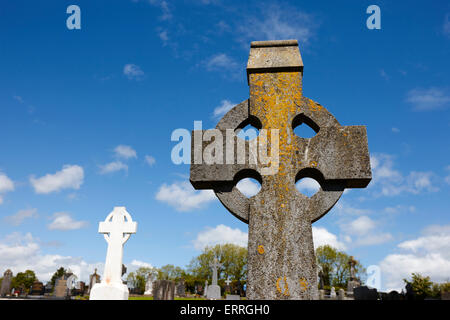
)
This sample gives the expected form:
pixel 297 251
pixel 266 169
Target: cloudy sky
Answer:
pixel 86 118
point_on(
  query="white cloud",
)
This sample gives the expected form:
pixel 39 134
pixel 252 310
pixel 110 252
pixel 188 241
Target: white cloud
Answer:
pixel 20 252
pixel 220 62
pixel 113 167
pixel 182 196
pixel 6 185
pixel 277 22
pixel 248 187
pixel 220 235
pixel 364 231
pixel 224 107
pixel 391 182
pixel 17 218
pixel 138 264
pixel 126 152
pixel 428 255
pixel 70 177
pixel 62 221
pixel 322 236
pixel 395 130
pixel 150 160
pixel 133 72
pixel 428 99
pixel 307 186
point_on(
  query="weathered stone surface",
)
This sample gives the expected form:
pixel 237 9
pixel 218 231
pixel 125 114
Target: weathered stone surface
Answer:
pixel 6 283
pixel 233 297
pixel 163 290
pixel 61 290
pixel 180 288
pixel 281 261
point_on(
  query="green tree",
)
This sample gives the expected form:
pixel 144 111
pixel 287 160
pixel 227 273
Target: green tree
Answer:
pixel 58 274
pixel 24 279
pixel 139 278
pixel 232 257
pixel 422 286
pixel 170 272
pixel 335 267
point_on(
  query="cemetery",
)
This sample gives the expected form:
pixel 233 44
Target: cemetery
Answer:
pixel 281 262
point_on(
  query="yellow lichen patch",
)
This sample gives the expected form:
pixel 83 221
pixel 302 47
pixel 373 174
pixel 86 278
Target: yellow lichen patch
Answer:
pixel 286 287
pixel 313 164
pixel 261 249
pixel 303 284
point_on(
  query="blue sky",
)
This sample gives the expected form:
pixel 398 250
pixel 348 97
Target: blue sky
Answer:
pixel 86 118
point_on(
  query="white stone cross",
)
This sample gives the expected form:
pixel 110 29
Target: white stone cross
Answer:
pixel 117 229
pixel 228 281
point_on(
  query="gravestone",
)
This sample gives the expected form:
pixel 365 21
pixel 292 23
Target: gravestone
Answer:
pixel 93 279
pixel 365 293
pixel 180 288
pixel 353 281
pixel 445 295
pixel 333 293
pixel 233 297
pixel 341 294
pixel 227 286
pixel 6 283
pixel 37 289
pixel 61 290
pixel 116 229
pixel 163 290
pixel 321 294
pixel 281 261
pixel 214 288
pixel 148 286
pixel 205 292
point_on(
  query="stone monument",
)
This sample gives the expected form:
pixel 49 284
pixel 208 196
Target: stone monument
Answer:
pixel 163 290
pixel 117 229
pixel 149 286
pixel 205 290
pixel 281 260
pixel 180 288
pixel 214 288
pixel 61 290
pixel 6 283
pixel 333 293
pixel 93 279
pixel 353 281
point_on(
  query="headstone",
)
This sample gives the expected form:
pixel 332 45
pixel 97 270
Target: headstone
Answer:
pixel 281 261
pixel 6 283
pixel 353 281
pixel 163 290
pixel 93 279
pixel 149 286
pixel 37 289
pixel 205 291
pixel 214 288
pixel 61 290
pixel 393 295
pixel 227 286
pixel 320 276
pixel 233 297
pixel 117 229
pixel 365 293
pixel 180 288
pixel 321 294
pixel 333 293
pixel 341 294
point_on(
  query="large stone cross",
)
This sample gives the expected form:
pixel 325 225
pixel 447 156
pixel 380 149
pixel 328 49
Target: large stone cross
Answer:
pixel 117 229
pixel 281 260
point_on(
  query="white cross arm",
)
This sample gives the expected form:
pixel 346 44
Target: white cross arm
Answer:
pixel 126 227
